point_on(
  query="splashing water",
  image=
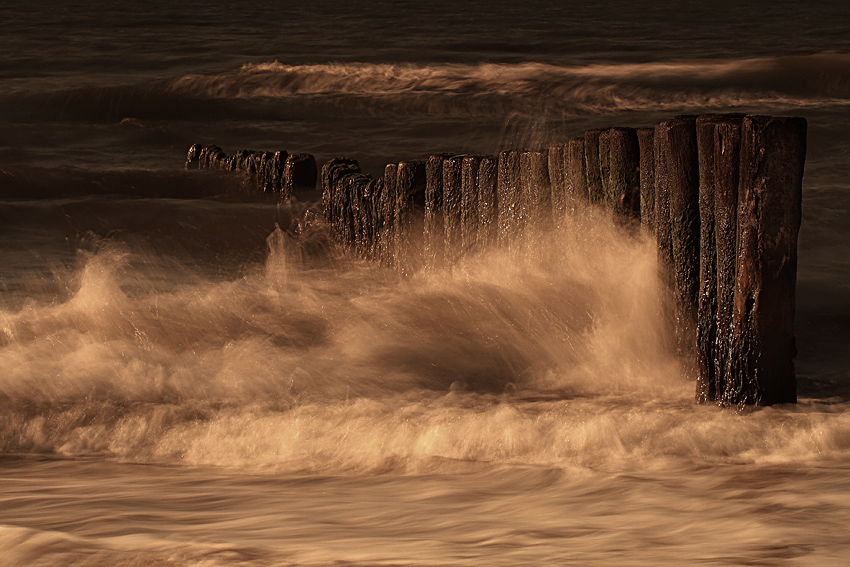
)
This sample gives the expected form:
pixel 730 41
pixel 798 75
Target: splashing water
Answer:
pixel 524 400
pixel 554 355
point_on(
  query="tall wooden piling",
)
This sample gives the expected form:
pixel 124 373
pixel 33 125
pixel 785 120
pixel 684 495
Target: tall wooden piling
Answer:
pixel 646 143
pixel 706 330
pixel 488 205
pixel 592 168
pixel 762 352
pixel 352 218
pixel 576 174
pixel 435 232
pixel 624 172
pixel 727 155
pixel 387 228
pixel 558 161
pixel 469 204
pixel 359 186
pixel 509 195
pixel 677 220
pixel 375 191
pixel 409 214
pixel 536 190
pixel 299 172
pixel 276 173
pixel 605 165
pixel 332 172
pixel 452 203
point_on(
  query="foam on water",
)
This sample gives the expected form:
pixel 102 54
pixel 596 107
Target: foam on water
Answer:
pixel 552 353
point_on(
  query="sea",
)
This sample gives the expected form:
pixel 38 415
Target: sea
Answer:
pixel 191 375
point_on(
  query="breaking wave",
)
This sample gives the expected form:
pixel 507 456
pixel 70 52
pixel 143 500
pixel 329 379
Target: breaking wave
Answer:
pixel 557 359
pixel 813 80
pixel 279 91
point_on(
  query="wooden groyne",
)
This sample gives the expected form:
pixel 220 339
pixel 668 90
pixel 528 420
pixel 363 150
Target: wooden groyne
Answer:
pixel 720 194
pixel 272 172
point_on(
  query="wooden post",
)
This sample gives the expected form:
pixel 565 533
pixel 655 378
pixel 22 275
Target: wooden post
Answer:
pixel 193 157
pixel 646 142
pixel 435 232
pixel 558 161
pixel 276 170
pixel 577 174
pixel 509 195
pixel 358 185
pixel 299 172
pixel 452 197
pixel 677 218
pixel 388 200
pixel 727 156
pixel 592 169
pixel 773 152
pixel 624 172
pixel 706 338
pixel 409 214
pixel 332 171
pixel 469 204
pixel 488 206
pixel 349 216
pixel 605 166
pixel 376 190
pixel 536 189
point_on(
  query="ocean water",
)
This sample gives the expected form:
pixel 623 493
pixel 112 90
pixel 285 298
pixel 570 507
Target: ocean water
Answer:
pixel 188 380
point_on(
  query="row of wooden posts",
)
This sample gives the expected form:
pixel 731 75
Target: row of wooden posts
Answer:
pixel 277 172
pixel 721 195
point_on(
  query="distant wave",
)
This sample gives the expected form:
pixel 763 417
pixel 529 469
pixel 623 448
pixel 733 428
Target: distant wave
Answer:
pixel 812 80
pixel 442 89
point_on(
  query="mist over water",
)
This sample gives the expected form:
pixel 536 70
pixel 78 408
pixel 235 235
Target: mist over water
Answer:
pixel 187 378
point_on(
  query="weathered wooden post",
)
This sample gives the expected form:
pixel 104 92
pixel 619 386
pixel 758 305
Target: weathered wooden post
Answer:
pixel 373 206
pixel 604 165
pixel 558 161
pixel 646 143
pixel 576 174
pixel 469 204
pixel 706 338
pixel 536 191
pixel 350 212
pixel 332 171
pixel 677 220
pixel 727 157
pixel 509 195
pixel 358 185
pixel 592 167
pixel 624 172
pixel 388 202
pixel 452 212
pixel 435 232
pixel 409 214
pixel 193 157
pixel 299 172
pixel 761 358
pixel 488 205
pixel 275 172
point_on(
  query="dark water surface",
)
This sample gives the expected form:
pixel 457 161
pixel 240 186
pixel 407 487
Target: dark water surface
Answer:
pixel 183 381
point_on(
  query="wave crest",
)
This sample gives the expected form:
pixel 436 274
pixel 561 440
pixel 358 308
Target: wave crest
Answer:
pixel 819 79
